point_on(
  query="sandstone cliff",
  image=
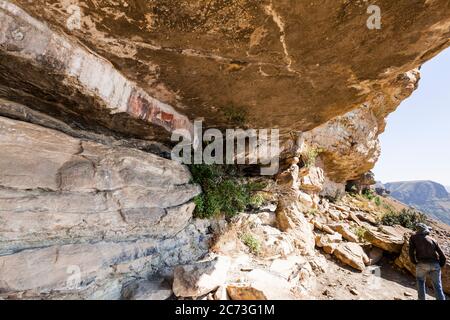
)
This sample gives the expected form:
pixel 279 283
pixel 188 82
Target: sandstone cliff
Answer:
pixel 106 214
pixel 91 206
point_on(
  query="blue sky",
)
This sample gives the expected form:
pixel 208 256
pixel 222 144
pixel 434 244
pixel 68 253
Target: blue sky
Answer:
pixel 416 143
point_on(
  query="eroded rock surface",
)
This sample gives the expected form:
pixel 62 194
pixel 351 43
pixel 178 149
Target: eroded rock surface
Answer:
pixel 68 205
pixel 349 143
pixel 166 63
pixel 79 80
pixel 178 51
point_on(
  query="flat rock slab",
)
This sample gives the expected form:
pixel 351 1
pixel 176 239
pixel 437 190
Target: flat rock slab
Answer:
pixel 198 279
pixel 148 290
pixel 390 239
pixel 262 285
pixel 352 254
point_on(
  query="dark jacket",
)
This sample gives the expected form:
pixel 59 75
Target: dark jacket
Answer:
pixel 422 248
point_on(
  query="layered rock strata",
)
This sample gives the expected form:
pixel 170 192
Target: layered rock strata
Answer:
pixel 74 206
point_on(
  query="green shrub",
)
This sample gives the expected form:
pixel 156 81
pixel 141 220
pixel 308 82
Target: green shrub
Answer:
pixel 256 201
pixel 310 156
pixel 388 207
pixel 223 191
pixel 252 243
pixel 378 201
pixel 360 232
pixel 369 194
pixel 407 218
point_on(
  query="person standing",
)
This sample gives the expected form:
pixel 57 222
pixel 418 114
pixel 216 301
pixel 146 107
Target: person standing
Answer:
pixel 428 257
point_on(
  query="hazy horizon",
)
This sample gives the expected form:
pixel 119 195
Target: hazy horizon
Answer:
pixel 416 143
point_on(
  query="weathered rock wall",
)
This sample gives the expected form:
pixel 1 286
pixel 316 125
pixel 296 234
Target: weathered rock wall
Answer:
pixel 287 64
pixel 161 63
pixel 53 73
pixel 70 205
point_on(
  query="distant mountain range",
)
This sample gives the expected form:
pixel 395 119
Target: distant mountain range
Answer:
pixel 429 197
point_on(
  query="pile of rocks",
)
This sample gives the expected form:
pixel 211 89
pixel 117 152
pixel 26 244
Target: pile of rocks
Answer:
pixel 283 263
pixel 353 236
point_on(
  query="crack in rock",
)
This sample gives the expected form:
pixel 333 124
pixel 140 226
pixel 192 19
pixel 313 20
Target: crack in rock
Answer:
pixel 277 19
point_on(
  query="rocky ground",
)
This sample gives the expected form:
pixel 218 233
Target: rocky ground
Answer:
pixel 320 277
pixel 263 256
pixel 382 281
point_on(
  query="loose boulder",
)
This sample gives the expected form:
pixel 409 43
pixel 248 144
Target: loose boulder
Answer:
pixel 345 231
pixel 387 238
pixel 262 285
pixel 352 254
pixel 198 279
pixel 245 292
pixel 147 290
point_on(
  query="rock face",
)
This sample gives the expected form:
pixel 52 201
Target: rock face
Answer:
pixel 76 190
pixel 84 80
pixel 184 50
pixel 176 54
pixel 72 206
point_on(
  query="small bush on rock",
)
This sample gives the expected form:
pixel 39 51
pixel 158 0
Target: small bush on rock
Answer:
pixel 369 194
pixel 360 232
pixel 236 116
pixel 312 213
pixel 256 201
pixel 378 201
pixel 310 156
pixel 252 243
pixel 224 191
